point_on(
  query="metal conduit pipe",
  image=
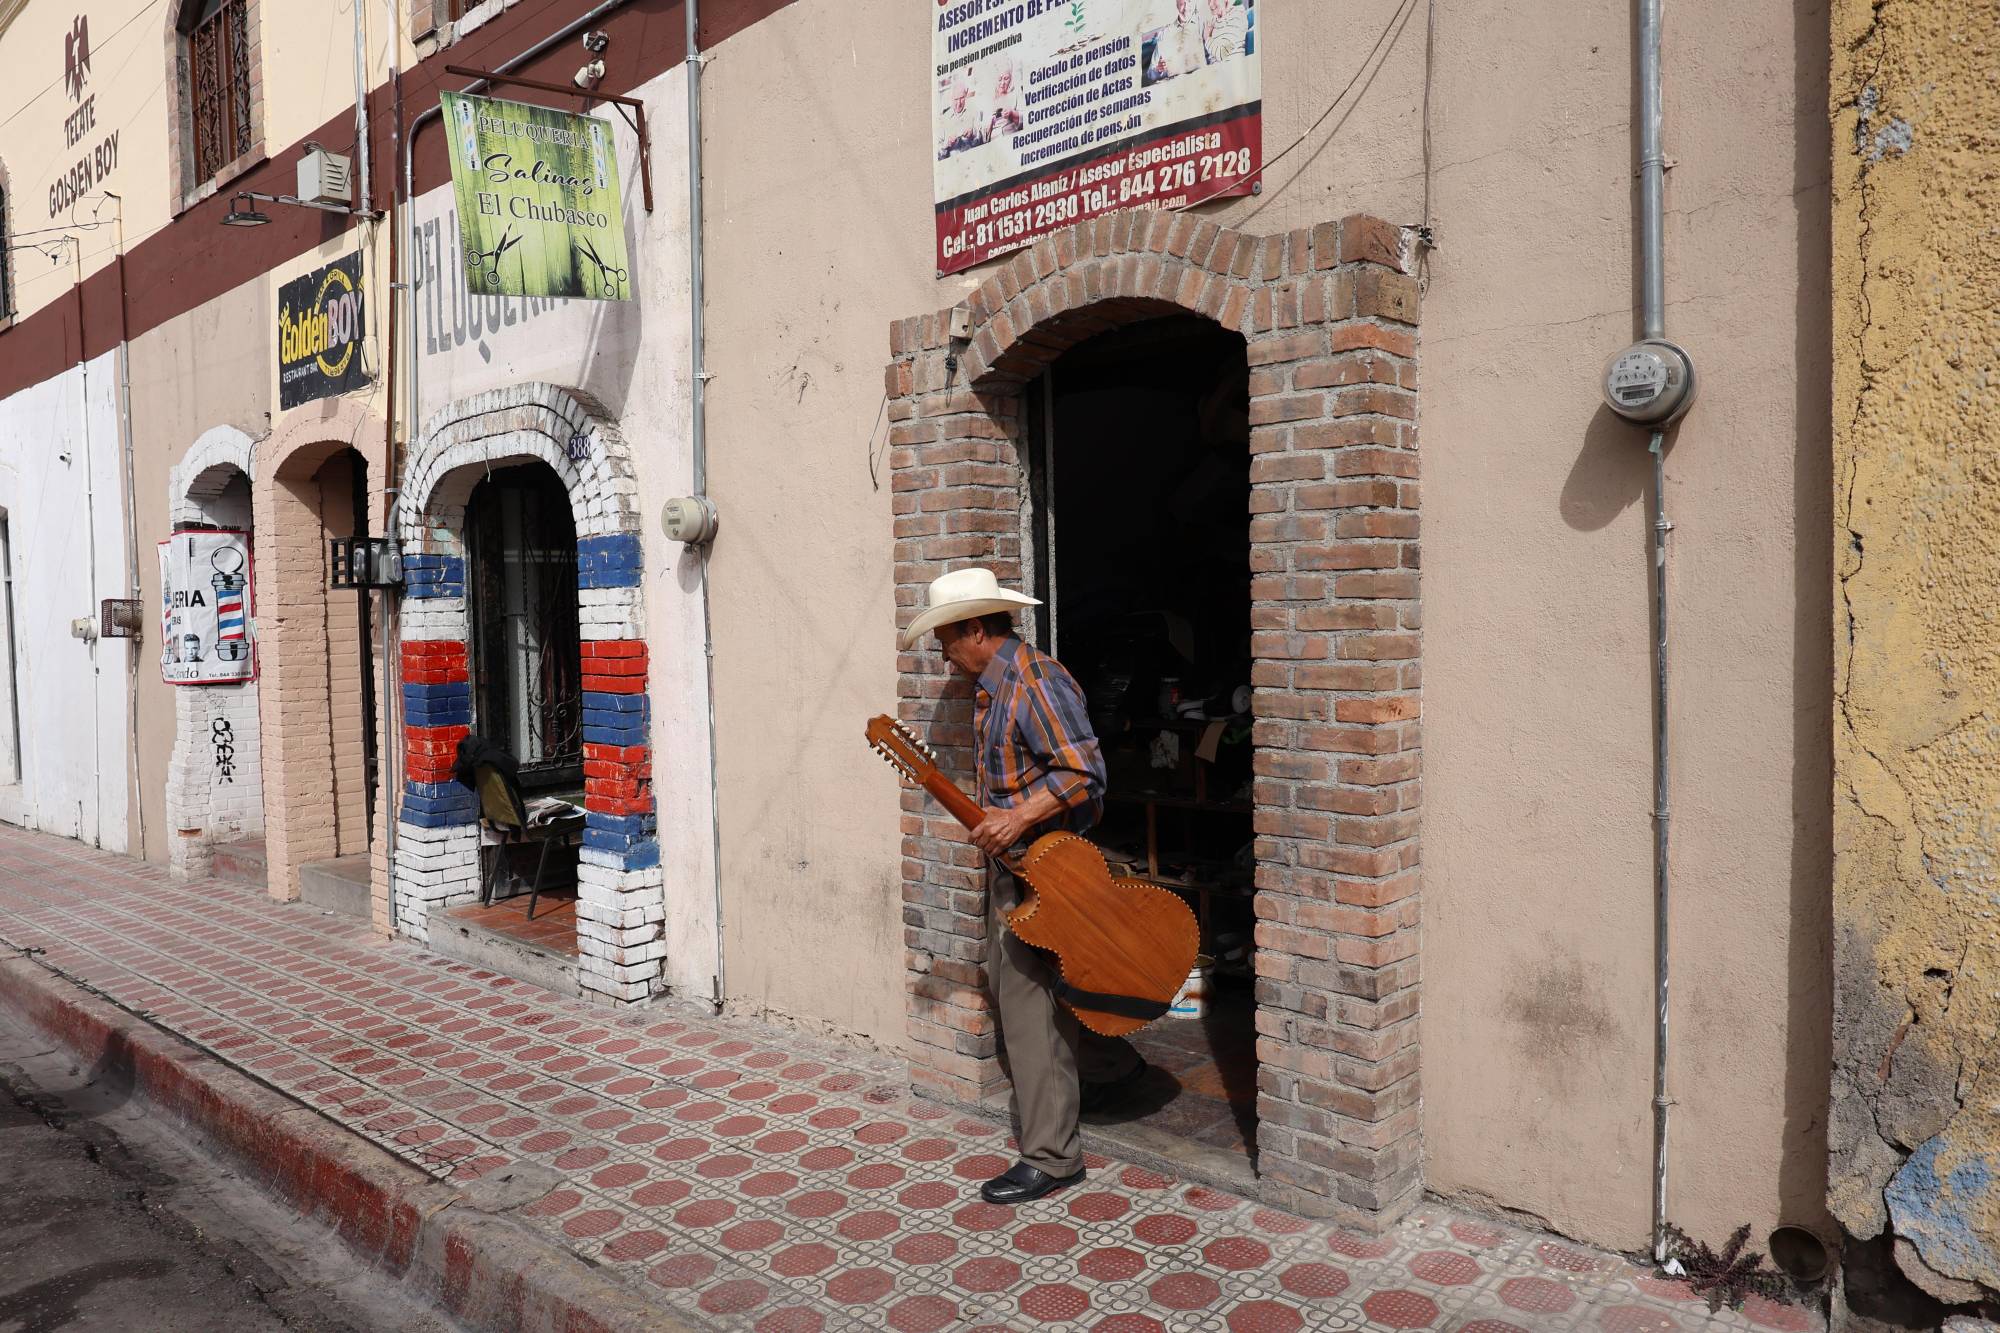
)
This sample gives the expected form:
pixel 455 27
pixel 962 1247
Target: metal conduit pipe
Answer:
pixel 361 159
pixel 698 444
pixel 391 707
pixel 1653 311
pixel 130 467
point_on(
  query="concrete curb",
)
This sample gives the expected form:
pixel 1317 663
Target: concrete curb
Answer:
pixel 484 1268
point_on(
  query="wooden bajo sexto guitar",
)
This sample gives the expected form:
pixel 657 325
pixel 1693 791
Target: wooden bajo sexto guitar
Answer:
pixel 1123 947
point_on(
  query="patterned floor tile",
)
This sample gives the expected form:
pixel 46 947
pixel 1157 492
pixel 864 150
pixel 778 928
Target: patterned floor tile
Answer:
pixel 758 1179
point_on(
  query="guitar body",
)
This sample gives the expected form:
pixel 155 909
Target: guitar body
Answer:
pixel 1111 936
pixel 1123 947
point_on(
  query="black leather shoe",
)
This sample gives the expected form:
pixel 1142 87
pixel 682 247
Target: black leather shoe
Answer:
pixel 1103 1096
pixel 1020 1182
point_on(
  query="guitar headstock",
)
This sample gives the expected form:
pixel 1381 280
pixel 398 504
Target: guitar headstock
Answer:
pixel 911 758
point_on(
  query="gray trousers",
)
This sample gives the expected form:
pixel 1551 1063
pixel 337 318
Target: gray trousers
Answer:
pixel 1047 1049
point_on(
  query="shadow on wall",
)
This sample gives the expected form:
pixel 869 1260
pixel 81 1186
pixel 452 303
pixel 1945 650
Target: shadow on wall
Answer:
pixel 1610 475
pixel 1803 1169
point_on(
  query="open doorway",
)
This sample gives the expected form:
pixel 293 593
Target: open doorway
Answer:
pixel 339 490
pixel 527 684
pixel 1140 538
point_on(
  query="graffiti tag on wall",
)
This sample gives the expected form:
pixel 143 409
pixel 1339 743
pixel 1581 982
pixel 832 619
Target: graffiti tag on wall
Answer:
pixel 224 736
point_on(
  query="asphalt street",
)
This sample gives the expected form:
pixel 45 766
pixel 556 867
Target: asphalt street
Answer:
pixel 112 1219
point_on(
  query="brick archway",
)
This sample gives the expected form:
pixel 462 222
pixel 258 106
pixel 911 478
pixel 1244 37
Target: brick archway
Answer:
pixel 621 902
pixel 1328 315
pixel 303 687
pixel 205 804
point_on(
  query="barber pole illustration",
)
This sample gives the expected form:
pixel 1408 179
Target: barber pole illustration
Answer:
pixel 231 644
pixel 205 630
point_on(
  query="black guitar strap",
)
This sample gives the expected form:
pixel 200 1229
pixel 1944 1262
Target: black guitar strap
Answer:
pixel 1125 1006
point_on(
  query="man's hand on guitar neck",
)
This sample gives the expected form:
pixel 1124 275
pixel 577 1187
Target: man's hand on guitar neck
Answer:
pixel 1002 828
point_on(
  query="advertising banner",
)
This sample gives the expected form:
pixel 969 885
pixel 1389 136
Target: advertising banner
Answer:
pixel 1048 112
pixel 205 609
pixel 538 201
pixel 321 323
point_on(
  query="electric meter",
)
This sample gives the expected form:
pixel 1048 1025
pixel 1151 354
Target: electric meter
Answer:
pixel 689 519
pixel 1651 382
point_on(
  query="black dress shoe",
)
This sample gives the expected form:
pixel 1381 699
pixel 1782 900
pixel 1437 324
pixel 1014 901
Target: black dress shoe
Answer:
pixel 1103 1096
pixel 1021 1182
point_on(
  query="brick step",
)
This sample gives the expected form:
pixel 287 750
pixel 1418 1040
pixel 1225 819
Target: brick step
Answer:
pixel 339 886
pixel 496 939
pixel 240 862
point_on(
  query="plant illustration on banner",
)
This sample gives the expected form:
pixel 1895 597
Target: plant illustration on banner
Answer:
pixel 538 201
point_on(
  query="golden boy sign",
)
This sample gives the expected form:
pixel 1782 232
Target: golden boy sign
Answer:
pixel 321 324
pixel 538 201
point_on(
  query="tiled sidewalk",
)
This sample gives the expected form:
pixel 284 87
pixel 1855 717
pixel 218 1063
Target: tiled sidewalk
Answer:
pixel 753 1178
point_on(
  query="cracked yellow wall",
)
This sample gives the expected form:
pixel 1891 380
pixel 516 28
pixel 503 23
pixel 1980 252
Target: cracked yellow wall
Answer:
pixel 1915 1126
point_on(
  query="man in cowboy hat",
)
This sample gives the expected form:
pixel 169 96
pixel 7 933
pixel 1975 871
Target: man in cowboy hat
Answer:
pixel 1039 770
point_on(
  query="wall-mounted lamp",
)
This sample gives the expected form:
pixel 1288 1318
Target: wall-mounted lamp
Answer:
pixel 363 562
pixel 243 213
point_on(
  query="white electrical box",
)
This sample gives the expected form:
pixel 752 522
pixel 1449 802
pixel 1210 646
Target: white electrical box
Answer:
pixel 325 178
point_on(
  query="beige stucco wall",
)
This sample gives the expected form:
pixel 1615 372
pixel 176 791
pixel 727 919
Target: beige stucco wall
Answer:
pixel 1916 308
pixel 217 365
pixel 1538 894
pixel 214 366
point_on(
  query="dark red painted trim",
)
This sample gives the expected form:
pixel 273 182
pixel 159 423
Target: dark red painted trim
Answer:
pixel 196 259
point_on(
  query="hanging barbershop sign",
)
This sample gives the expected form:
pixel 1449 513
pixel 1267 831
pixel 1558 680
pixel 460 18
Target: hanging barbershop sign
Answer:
pixel 1049 112
pixel 321 322
pixel 538 201
pixel 205 609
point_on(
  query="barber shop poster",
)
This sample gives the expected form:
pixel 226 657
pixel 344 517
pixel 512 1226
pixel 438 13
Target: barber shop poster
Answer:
pixel 205 609
pixel 538 201
pixel 1049 112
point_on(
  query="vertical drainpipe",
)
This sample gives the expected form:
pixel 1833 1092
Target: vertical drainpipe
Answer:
pixel 361 149
pixel 90 544
pixel 1653 308
pixel 131 523
pixel 698 441
pixel 389 712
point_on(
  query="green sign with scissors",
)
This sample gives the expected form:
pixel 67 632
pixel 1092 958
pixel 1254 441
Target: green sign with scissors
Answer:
pixel 538 201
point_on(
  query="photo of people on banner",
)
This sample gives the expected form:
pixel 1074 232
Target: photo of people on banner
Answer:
pixel 205 609
pixel 538 201
pixel 1203 33
pixel 1049 112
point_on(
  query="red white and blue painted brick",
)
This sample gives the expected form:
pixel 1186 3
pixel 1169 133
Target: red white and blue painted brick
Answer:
pixel 621 907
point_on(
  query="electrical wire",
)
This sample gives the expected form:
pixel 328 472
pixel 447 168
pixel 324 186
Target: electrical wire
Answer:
pixel 1389 29
pixel 1426 231
pixel 50 86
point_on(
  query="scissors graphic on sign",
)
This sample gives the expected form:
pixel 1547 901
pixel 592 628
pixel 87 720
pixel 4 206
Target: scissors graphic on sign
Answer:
pixel 610 281
pixel 486 263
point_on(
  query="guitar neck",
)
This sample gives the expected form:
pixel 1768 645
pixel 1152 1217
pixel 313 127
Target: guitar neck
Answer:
pixel 956 803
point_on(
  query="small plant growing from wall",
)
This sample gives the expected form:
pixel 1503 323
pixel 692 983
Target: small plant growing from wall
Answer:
pixel 1728 1277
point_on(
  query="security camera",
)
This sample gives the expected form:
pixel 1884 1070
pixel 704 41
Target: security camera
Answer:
pixel 590 75
pixel 596 40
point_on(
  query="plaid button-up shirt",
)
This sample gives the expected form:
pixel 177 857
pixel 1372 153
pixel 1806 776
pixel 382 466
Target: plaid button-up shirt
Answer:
pixel 1034 734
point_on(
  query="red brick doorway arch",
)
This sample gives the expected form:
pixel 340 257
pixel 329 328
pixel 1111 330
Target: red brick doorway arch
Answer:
pixel 1328 316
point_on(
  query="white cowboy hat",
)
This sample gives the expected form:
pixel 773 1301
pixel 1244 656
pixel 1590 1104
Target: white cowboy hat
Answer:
pixel 962 594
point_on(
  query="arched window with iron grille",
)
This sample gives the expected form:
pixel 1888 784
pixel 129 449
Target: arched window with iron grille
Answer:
pixel 216 55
